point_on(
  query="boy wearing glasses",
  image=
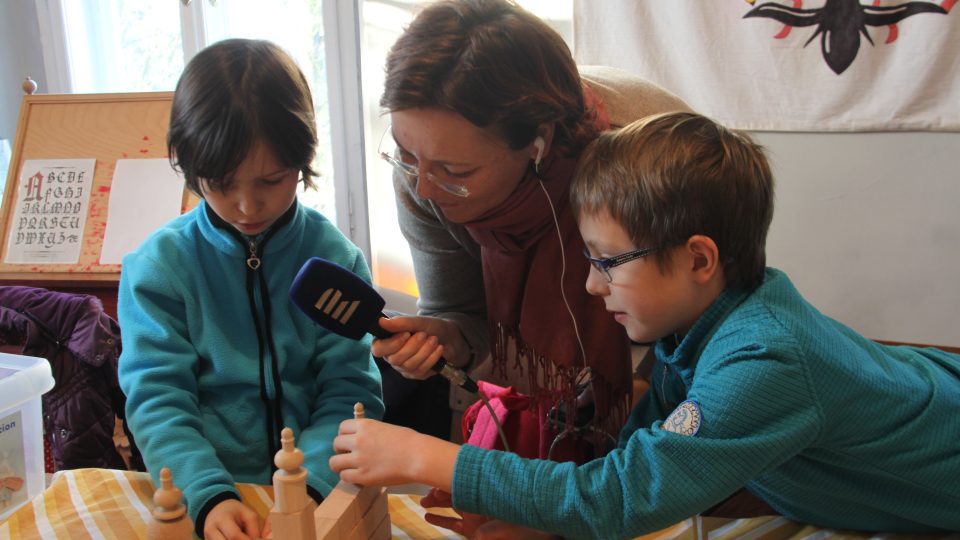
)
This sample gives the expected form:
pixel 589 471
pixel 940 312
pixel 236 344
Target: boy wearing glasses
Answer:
pixel 752 386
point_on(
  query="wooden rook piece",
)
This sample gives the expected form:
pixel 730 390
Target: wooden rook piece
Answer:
pixel 292 514
pixel 170 519
pixel 352 512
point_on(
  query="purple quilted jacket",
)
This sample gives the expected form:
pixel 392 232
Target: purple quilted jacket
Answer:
pixel 82 344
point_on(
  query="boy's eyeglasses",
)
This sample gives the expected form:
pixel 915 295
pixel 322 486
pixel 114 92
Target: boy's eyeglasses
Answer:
pixel 388 149
pixel 604 265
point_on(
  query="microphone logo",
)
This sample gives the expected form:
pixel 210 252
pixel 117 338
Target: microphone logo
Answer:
pixel 331 304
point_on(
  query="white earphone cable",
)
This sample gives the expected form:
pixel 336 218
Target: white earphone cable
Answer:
pixel 563 272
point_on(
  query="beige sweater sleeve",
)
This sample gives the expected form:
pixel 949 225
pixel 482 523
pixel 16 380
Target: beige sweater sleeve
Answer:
pixel 628 97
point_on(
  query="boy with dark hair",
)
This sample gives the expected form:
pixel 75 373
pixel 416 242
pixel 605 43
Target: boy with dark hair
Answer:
pixel 752 386
pixel 216 359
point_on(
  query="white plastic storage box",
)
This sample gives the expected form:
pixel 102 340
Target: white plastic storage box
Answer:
pixel 23 379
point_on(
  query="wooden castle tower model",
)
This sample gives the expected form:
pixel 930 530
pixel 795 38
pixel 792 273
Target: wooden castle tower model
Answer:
pixel 349 512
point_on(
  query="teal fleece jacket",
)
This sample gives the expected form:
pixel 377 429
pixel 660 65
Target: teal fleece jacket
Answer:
pixel 826 426
pixel 206 395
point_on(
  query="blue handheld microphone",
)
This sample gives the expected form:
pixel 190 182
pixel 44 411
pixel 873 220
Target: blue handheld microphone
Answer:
pixel 345 304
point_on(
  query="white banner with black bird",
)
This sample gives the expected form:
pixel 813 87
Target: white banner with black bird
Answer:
pixel 789 65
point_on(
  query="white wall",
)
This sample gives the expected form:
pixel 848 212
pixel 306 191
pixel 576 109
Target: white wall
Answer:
pixel 867 226
pixel 20 56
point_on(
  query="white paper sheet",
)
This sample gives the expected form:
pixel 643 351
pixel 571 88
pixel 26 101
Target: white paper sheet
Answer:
pixel 50 211
pixel 144 194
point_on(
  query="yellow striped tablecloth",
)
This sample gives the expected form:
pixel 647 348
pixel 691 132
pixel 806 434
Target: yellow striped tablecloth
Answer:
pixel 112 504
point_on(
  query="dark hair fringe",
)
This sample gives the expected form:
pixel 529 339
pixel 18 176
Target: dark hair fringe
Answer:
pixel 232 94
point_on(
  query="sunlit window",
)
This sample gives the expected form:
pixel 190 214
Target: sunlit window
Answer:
pixel 139 46
pixel 123 46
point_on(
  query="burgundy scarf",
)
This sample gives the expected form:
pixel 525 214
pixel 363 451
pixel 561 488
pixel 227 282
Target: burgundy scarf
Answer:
pixel 522 265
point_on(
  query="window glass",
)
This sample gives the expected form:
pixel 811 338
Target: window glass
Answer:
pixel 123 46
pixel 138 46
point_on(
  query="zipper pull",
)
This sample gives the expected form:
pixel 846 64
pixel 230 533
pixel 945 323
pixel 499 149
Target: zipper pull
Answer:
pixel 253 261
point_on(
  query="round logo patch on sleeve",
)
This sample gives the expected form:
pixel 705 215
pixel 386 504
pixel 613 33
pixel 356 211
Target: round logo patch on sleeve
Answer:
pixel 685 419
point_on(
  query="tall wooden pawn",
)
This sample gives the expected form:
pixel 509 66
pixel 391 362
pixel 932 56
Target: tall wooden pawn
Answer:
pixel 170 520
pixel 292 514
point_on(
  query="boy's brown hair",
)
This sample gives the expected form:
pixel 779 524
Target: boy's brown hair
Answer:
pixel 667 177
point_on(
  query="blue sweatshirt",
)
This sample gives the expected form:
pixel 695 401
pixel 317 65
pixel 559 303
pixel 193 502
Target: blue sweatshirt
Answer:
pixel 826 426
pixel 216 360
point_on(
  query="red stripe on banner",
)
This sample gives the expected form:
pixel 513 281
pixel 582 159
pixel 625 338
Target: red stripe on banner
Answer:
pixel 892 36
pixel 947 4
pixel 893 32
pixel 786 28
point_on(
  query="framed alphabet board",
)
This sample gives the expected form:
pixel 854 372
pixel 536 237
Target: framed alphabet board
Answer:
pixel 54 215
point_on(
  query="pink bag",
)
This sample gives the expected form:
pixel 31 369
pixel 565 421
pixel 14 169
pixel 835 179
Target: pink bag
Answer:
pixel 527 436
pixel 520 425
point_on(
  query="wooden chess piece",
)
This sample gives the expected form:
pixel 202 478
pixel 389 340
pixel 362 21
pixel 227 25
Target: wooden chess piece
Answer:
pixel 292 514
pixel 29 85
pixel 352 512
pixel 170 520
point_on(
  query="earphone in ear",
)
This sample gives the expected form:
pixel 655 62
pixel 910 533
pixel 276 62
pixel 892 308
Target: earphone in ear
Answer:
pixel 539 143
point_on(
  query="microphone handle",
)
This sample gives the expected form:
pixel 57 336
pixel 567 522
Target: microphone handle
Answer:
pixel 453 374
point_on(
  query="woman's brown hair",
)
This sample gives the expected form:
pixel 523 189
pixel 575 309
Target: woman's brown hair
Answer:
pixel 495 64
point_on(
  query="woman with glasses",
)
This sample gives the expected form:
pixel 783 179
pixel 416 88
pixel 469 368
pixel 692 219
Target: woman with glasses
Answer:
pixel 489 114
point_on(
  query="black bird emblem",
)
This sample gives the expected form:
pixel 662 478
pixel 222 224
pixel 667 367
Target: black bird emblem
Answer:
pixel 841 22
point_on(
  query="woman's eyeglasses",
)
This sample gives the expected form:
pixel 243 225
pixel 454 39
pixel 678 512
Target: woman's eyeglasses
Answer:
pixel 604 265
pixel 388 151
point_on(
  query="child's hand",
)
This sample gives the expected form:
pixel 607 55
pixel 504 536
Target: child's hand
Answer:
pixel 475 526
pixel 231 520
pixel 417 344
pixel 267 531
pixel 464 525
pixel 501 530
pixel 373 453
